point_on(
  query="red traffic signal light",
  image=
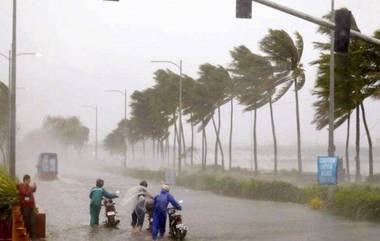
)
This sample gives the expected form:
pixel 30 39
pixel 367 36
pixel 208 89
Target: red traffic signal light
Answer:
pixel 342 30
pixel 243 8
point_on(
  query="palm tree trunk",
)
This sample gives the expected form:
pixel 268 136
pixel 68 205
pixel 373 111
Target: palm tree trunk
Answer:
pixel 203 149
pixel 192 143
pixel 154 149
pixel 370 148
pixel 183 144
pixel 274 137
pixel 218 141
pixel 255 140
pixel 299 158
pixel 133 152
pixel 144 153
pixel 251 142
pixel 167 150
pixel 174 145
pixel 231 126
pixel 347 148
pixel 216 149
pixel 206 147
pixel 162 150
pixel 357 158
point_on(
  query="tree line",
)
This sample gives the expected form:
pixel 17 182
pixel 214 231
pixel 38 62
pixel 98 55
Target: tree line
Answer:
pixel 254 80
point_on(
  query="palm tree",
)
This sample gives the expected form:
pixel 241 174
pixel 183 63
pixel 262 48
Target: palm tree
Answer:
pixel 356 75
pixel 250 71
pixel 200 109
pixel 215 79
pixel 187 88
pixel 286 55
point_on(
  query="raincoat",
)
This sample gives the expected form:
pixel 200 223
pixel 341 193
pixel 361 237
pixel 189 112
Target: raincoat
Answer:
pixel 96 196
pixel 161 203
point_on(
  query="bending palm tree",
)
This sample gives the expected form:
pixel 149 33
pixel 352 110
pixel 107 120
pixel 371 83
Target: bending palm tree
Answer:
pixel 286 55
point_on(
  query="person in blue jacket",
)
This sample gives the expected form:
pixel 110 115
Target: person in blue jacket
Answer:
pixel 96 195
pixel 161 203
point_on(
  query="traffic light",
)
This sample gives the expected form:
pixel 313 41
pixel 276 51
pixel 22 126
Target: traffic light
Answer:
pixel 243 8
pixel 342 30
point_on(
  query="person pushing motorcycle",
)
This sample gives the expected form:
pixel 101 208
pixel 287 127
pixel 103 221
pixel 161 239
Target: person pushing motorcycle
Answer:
pixel 161 203
pixel 96 195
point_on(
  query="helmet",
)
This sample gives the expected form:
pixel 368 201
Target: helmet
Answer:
pixel 165 187
pixel 149 203
pixel 144 183
pixel 99 182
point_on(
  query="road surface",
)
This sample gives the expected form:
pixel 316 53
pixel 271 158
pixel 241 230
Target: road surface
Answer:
pixel 209 216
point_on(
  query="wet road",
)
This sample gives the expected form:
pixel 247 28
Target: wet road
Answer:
pixel 209 216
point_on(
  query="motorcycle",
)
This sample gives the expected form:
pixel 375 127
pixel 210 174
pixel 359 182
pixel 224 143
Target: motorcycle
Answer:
pixel 177 229
pixel 110 212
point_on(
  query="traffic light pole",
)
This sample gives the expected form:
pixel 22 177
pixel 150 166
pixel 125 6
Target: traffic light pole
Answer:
pixel 318 21
pixel 331 147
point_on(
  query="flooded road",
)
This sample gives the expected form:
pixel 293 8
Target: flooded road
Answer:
pixel 209 216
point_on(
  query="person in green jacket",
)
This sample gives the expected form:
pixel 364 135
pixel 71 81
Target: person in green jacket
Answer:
pixel 96 195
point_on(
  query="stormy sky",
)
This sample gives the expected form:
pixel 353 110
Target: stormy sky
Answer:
pixel 89 46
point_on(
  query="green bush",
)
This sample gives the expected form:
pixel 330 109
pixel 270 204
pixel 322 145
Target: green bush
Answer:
pixel 8 194
pixel 358 202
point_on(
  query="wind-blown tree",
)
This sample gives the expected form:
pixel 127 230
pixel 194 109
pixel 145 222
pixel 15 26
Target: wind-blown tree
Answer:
pixel 4 120
pixel 250 72
pixel 68 131
pixel 215 79
pixel 286 54
pixel 167 84
pixel 357 78
pixel 125 133
pixel 188 84
pixel 200 109
pixel 114 142
pixel 149 114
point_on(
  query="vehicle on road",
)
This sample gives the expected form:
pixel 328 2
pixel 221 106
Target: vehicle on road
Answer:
pixel 177 229
pixel 110 212
pixel 47 166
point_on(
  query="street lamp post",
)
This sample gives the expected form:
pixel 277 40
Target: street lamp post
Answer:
pixel 124 93
pixel 179 66
pixel 12 106
pixel 12 94
pixel 95 108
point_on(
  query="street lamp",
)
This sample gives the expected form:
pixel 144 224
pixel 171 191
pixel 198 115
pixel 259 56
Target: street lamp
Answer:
pixel 12 106
pixel 124 93
pixel 179 66
pixel 95 108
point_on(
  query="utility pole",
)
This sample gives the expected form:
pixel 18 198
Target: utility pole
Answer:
pixel 12 114
pixel 331 147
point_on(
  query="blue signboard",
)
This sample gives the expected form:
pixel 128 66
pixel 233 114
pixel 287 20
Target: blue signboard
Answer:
pixel 327 170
